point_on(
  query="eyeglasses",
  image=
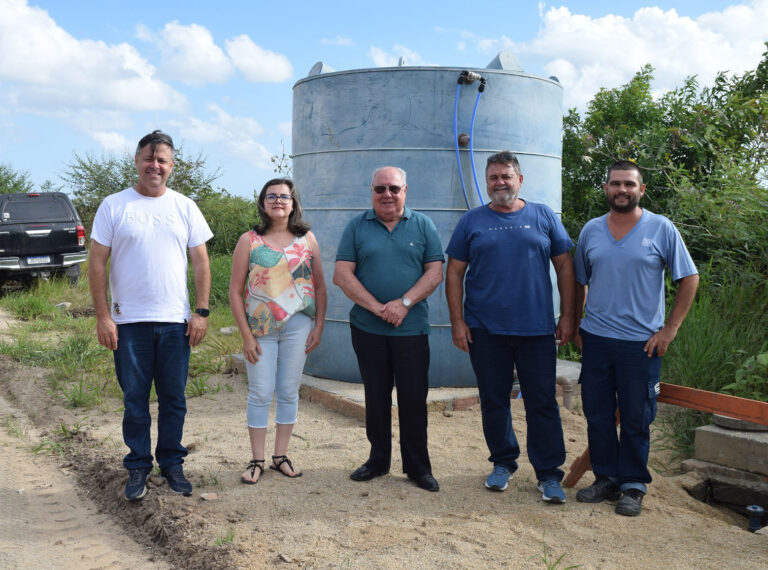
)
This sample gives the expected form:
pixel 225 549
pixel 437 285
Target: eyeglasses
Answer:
pixel 381 189
pixel 272 198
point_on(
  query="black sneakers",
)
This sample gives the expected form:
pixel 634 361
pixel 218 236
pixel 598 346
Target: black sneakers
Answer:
pixel 631 503
pixel 136 487
pixel 602 489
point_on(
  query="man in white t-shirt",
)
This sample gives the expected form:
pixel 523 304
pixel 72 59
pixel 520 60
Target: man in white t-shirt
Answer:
pixel 146 230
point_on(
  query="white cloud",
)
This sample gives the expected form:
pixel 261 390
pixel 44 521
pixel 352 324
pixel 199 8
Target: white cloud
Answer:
pixel 382 58
pixel 189 54
pixel 113 142
pixel 337 41
pixel 286 129
pixel 587 53
pixel 236 134
pixel 256 63
pixel 47 70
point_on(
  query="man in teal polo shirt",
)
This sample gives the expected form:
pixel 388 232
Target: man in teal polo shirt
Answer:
pixel 389 260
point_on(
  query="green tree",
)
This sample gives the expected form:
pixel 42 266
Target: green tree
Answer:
pixel 13 182
pixel 702 152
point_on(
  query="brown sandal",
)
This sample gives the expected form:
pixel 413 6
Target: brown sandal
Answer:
pixel 277 464
pixel 253 465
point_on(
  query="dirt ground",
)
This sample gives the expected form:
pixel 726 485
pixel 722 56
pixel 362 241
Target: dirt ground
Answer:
pixel 323 519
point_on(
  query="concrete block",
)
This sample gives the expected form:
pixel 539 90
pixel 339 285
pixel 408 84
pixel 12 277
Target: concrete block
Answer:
pixel 733 423
pixel 327 399
pixel 726 485
pixel 461 404
pixel 351 409
pixel 238 364
pixel 747 451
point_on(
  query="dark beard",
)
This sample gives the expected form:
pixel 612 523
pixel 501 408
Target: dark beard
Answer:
pixel 628 207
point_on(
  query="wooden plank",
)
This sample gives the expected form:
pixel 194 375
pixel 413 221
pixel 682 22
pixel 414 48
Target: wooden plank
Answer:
pixel 579 466
pixel 715 403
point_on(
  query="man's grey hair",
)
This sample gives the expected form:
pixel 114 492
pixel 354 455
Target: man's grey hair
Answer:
pixel 402 172
pixel 152 140
pixel 505 157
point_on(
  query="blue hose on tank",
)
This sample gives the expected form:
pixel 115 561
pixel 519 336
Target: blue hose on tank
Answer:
pixel 456 140
pixel 472 139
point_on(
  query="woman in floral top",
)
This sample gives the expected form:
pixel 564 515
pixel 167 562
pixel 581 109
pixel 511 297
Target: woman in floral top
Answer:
pixel 278 298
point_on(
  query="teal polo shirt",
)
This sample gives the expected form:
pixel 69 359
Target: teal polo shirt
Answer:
pixel 388 264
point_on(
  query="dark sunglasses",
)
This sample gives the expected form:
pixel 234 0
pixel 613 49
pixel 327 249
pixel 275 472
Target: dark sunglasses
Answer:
pixel 381 189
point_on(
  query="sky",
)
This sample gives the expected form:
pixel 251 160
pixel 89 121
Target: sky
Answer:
pixel 86 77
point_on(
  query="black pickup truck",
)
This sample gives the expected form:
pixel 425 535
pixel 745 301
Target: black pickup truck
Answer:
pixel 40 234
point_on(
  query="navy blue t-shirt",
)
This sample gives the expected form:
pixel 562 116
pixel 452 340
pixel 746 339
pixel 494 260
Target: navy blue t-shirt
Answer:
pixel 507 286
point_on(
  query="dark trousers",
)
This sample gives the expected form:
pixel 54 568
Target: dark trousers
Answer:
pixel 401 361
pixel 618 373
pixel 494 358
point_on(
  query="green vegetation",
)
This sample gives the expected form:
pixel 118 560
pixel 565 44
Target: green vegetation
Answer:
pixel 226 538
pixel 82 372
pixel 12 182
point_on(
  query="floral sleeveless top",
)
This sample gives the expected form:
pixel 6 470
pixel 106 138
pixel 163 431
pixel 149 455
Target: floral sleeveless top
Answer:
pixel 279 284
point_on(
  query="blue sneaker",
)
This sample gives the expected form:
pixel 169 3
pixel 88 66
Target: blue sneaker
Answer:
pixel 176 480
pixel 551 492
pixel 497 480
pixel 136 486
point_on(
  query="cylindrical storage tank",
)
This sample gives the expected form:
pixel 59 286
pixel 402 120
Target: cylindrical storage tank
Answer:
pixel 346 124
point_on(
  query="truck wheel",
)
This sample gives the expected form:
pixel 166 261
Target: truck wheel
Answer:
pixel 73 274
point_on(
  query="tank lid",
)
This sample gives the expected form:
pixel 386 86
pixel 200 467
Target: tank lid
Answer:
pixel 505 60
pixel 319 68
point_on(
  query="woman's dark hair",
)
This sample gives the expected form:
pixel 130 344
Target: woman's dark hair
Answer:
pixel 296 224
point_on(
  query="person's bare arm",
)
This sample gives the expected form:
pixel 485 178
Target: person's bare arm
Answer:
pixel 566 285
pixel 345 279
pixel 686 291
pixel 321 296
pixel 106 329
pixel 581 299
pixel 251 348
pixel 395 312
pixel 198 325
pixel 454 294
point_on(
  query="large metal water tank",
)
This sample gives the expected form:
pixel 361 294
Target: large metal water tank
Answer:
pixel 348 123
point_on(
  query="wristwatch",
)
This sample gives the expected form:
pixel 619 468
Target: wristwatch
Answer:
pixel 203 312
pixel 406 302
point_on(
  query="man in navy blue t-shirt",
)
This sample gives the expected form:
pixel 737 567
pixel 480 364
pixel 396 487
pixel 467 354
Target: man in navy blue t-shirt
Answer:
pixel 507 320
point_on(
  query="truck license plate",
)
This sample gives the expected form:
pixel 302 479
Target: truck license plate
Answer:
pixel 38 259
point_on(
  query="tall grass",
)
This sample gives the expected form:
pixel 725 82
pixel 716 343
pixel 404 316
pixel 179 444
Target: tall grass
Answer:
pixel 727 323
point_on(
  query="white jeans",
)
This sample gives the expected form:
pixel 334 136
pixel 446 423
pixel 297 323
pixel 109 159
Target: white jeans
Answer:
pixel 278 371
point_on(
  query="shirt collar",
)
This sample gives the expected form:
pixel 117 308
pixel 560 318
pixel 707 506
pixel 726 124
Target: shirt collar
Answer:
pixel 371 214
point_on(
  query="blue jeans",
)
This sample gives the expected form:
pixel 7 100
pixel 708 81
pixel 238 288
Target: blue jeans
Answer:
pixel 494 358
pixel 278 371
pixel 618 373
pixel 147 351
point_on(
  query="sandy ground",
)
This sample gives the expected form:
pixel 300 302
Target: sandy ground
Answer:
pixel 323 519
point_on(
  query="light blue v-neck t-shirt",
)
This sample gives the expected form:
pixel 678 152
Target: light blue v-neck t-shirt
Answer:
pixel 626 277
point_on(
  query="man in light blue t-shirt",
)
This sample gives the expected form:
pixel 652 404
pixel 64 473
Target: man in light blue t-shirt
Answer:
pixel 620 260
pixel 507 320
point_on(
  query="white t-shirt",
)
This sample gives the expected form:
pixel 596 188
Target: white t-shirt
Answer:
pixel 149 238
